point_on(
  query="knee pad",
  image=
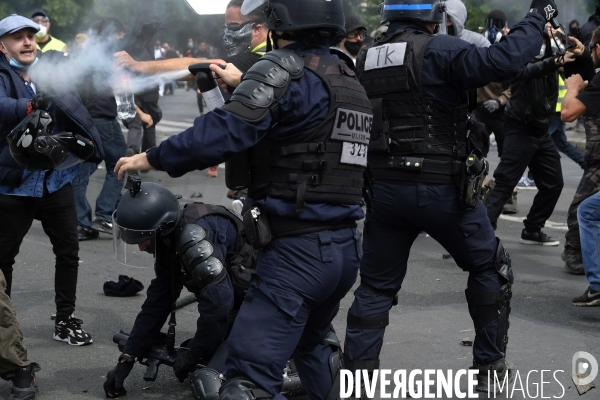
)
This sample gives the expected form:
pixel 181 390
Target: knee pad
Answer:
pixel 500 301
pixel 206 383
pixel 241 388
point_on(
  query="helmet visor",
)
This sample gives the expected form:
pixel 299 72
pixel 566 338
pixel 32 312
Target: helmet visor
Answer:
pixel 134 248
pixel 251 5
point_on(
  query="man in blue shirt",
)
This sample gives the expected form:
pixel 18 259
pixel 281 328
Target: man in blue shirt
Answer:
pixel 27 195
pixel 303 121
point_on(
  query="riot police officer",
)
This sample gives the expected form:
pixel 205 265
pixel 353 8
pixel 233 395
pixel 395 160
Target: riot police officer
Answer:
pixel 419 153
pixel 202 247
pixel 305 120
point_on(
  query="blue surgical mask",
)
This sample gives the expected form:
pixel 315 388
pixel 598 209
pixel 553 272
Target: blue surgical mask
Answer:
pixel 16 64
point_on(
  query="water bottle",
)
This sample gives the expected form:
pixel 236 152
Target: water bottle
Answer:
pixel 124 96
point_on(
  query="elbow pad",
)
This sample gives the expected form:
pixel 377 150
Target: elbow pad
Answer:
pixel 197 255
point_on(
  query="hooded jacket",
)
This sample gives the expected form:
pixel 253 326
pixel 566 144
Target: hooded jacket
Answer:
pixel 458 12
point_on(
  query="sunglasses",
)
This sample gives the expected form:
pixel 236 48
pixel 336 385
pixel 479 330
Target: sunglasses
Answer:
pixel 358 34
pixel 234 26
pixel 592 46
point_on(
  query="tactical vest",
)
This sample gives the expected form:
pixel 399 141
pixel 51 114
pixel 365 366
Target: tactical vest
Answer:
pixel 241 262
pixel 324 164
pixel 412 139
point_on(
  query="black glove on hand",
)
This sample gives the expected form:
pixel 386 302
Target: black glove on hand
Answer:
pixel 184 364
pixel 113 387
pixel 546 8
pixel 41 101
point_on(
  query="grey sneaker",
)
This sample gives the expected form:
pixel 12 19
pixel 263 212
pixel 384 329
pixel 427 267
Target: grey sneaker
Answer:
pixel 498 370
pixel 573 261
pixel 511 206
pixel 102 226
pixel 590 298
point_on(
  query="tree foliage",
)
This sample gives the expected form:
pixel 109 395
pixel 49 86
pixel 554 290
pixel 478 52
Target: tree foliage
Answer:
pixel 70 17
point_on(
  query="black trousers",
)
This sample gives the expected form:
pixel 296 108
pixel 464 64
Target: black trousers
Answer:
pixel 56 211
pixel 520 151
pixel 494 123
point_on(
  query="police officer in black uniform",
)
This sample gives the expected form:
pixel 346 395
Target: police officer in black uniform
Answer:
pixel 419 149
pixel 202 247
pixel 305 120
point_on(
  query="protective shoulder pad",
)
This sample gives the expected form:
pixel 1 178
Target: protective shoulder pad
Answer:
pixel 288 60
pixel 269 73
pixel 186 235
pixel 264 84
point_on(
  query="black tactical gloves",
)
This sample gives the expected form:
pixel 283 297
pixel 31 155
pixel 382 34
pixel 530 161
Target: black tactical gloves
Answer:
pixel 185 363
pixel 546 8
pixel 41 101
pixel 113 387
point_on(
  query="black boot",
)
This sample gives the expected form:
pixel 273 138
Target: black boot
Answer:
pixel 24 384
pixel 486 379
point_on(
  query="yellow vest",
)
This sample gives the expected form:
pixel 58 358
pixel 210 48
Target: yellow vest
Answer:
pixel 261 49
pixel 562 92
pixel 53 44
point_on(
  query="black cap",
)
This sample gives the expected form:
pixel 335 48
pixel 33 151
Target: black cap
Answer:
pixel 353 23
pixel 39 11
pixel 497 14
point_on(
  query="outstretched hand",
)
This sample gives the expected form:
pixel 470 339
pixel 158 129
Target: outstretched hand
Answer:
pixel 138 162
pixel 122 60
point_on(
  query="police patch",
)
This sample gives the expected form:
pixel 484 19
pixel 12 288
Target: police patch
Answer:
pixel 354 129
pixel 388 55
pixel 352 126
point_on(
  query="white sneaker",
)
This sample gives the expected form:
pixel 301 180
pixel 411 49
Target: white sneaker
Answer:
pixel 526 183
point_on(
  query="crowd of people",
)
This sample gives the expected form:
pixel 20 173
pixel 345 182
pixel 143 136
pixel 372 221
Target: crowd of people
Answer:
pixel 317 128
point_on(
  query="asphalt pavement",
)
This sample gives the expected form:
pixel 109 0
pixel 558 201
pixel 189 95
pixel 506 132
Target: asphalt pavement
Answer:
pixel 426 329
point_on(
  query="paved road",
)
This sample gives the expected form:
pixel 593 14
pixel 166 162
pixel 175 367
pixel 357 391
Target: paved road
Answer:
pixel 426 328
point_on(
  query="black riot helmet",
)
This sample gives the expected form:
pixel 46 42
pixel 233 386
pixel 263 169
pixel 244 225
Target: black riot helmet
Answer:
pixel 146 211
pixel 413 10
pixel 295 15
pixel 33 145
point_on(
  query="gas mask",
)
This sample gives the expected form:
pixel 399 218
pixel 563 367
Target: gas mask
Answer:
pixel 353 47
pixel 237 37
pixel 493 35
pixel 42 32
